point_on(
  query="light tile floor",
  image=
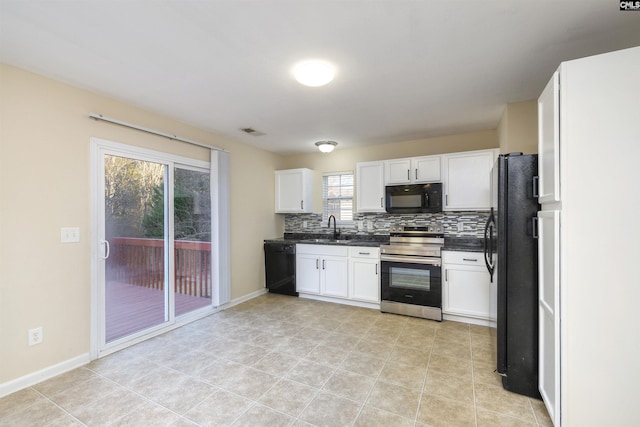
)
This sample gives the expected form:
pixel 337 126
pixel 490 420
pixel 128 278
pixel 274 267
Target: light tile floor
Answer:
pixel 284 361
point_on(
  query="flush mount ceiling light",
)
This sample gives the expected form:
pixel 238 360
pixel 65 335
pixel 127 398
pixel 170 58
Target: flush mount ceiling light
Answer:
pixel 326 146
pixel 314 72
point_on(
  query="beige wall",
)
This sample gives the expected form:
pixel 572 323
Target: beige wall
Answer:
pixel 518 128
pixel 345 159
pixel 44 185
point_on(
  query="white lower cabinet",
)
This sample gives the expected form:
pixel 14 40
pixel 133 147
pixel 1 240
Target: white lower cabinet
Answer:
pixel 364 274
pixel 467 289
pixel 307 273
pixel 549 310
pixel 322 270
pixel 334 277
pixel 347 273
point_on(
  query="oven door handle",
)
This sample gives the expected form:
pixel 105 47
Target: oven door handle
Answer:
pixel 412 259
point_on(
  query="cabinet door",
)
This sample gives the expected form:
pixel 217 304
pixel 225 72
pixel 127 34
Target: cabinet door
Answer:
pixel 335 277
pixel 397 171
pixel 467 180
pixel 308 273
pixel 548 311
pixel 293 191
pixel 370 187
pixel 467 291
pixel 426 169
pixel 549 142
pixel 365 279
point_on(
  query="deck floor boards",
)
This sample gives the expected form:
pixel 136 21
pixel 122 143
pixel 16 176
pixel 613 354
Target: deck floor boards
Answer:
pixel 131 308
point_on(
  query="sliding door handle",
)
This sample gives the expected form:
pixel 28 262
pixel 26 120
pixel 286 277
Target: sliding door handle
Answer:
pixel 107 249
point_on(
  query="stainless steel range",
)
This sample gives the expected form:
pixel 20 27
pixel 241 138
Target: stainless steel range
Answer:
pixel 411 279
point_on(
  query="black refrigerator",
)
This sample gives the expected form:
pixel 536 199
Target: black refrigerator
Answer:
pixel 511 255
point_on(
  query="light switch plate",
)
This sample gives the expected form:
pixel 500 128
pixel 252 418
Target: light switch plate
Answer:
pixel 70 234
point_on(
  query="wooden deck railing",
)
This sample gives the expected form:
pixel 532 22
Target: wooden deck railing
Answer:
pixel 139 261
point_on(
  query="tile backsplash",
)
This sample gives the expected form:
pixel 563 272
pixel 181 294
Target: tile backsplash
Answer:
pixel 456 224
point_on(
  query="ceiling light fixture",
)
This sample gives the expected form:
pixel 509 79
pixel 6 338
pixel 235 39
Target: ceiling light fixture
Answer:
pixel 326 146
pixel 314 72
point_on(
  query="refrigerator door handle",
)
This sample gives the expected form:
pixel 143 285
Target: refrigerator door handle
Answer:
pixel 488 245
pixel 534 227
pixel 535 190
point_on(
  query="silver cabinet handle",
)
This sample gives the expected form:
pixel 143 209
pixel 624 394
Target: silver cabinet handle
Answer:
pixel 470 259
pixel 446 200
pixel 317 263
pixel 381 202
pixel 364 253
pixel 416 174
pixel 323 264
pixel 301 205
pixel 408 172
pixel 446 275
pixel 376 269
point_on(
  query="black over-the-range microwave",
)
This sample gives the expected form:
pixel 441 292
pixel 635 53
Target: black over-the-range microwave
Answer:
pixel 415 198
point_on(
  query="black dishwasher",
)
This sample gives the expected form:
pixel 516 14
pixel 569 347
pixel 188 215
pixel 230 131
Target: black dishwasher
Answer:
pixel 280 267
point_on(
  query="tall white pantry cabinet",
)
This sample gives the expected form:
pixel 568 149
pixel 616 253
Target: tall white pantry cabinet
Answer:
pixel 589 226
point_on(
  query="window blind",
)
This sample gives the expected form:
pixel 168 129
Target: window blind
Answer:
pixel 337 195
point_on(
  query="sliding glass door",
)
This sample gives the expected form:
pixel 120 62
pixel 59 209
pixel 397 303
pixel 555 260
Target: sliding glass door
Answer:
pixel 192 239
pixel 135 245
pixel 153 266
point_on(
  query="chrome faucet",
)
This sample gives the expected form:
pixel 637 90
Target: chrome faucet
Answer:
pixel 336 233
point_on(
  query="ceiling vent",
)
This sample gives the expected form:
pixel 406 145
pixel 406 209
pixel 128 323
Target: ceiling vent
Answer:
pixel 252 132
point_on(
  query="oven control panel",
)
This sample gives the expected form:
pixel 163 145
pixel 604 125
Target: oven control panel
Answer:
pixel 431 228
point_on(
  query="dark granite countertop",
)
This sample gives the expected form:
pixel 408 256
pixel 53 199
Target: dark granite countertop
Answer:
pixel 327 239
pixel 464 244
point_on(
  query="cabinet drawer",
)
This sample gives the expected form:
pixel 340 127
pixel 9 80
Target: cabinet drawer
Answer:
pixel 364 252
pixel 328 250
pixel 465 258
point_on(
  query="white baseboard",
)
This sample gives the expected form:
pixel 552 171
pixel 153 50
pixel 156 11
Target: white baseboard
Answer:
pixel 43 374
pixel 341 301
pixel 470 320
pixel 242 299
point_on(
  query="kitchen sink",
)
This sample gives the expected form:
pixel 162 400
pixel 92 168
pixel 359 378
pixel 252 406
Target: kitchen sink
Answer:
pixel 326 241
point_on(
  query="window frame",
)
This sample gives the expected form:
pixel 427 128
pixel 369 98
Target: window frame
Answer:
pixel 325 198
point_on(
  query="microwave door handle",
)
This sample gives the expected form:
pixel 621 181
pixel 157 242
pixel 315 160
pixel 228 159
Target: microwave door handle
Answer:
pixel 427 201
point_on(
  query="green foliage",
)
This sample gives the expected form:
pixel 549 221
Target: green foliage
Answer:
pixel 135 200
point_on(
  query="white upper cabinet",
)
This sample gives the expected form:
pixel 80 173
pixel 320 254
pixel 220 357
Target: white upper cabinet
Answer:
pixel 294 191
pixel 549 142
pixel 370 187
pixel 412 170
pixel 467 180
pixel 427 169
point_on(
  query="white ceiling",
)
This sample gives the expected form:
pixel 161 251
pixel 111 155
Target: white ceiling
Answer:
pixel 406 69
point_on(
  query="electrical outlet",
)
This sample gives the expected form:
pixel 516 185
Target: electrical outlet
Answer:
pixel 35 335
pixel 369 225
pixel 360 225
pixel 304 224
pixel 460 227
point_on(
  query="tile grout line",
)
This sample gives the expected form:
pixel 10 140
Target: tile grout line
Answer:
pixel 55 404
pixel 377 378
pixel 473 379
pixel 148 399
pixel 424 382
